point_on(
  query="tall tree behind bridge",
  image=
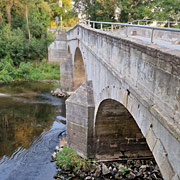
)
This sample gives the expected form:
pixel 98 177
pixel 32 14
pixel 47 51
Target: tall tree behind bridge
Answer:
pixel 96 9
pixel 149 9
pixel 68 15
pixel 167 10
pixel 104 10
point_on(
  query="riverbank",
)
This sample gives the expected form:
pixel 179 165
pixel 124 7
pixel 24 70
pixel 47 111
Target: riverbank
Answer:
pixel 71 166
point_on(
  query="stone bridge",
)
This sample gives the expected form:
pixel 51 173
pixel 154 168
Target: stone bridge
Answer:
pixel 126 102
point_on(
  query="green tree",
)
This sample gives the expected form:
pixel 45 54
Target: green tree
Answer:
pixel 57 11
pixel 6 8
pixel 135 9
pixel 100 10
pixel 167 10
pixel 149 9
pixel 39 19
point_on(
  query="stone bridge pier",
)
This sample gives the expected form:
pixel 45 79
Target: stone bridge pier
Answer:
pixel 126 100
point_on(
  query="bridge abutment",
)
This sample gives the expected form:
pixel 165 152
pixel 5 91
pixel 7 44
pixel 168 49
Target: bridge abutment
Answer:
pixel 80 115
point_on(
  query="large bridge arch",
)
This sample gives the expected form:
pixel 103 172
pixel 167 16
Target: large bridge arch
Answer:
pixel 117 134
pixel 79 75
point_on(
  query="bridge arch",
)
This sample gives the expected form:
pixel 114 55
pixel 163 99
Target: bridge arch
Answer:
pixel 117 134
pixel 79 75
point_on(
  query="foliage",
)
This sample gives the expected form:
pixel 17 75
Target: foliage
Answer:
pixel 65 11
pixel 103 10
pixel 69 160
pixel 39 17
pixel 124 170
pixel 14 43
pixel 27 71
pixel 24 38
pixel 99 10
pixel 149 9
pixel 7 70
pixel 135 9
pixel 167 10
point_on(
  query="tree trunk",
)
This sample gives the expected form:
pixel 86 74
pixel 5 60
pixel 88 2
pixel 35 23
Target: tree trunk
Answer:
pixel 27 22
pixel 8 12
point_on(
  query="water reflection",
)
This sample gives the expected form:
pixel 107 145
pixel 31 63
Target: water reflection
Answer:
pixel 26 110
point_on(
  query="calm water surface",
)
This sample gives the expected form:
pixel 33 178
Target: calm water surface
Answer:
pixel 30 122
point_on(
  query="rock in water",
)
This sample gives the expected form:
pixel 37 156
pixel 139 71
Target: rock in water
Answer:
pixel 60 93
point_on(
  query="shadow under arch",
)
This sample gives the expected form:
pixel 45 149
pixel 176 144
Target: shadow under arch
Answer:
pixel 117 135
pixel 78 71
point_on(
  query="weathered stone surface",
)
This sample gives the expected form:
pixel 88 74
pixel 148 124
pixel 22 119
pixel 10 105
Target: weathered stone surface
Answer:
pixel 151 138
pixel 57 51
pixel 66 78
pixel 80 111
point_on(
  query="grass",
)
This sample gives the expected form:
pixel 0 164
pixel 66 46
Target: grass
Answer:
pixel 68 159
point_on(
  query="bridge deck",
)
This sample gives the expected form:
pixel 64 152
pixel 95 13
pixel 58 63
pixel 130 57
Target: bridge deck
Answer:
pixel 162 43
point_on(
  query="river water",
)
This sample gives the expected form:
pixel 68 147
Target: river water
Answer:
pixel 30 122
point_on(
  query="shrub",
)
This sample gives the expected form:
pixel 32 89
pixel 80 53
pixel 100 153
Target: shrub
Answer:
pixel 27 71
pixel 69 160
pixel 7 70
pixel 13 42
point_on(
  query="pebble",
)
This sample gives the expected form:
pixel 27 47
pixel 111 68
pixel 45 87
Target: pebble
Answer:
pixel 98 171
pixel 131 175
pixel 105 169
pixel 53 156
pixel 88 178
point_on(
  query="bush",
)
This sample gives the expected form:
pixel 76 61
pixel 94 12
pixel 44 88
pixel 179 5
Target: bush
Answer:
pixel 27 71
pixel 7 70
pixel 13 42
pixel 69 160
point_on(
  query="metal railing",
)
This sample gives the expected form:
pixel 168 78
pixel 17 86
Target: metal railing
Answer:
pixel 147 22
pixel 112 25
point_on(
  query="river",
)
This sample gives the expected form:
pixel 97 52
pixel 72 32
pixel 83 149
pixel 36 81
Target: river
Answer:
pixel 30 122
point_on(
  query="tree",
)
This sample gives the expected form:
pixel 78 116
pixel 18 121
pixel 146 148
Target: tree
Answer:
pixel 26 5
pixel 9 6
pixel 39 19
pixel 57 11
pixel 149 9
pixel 25 37
pixel 167 10
pixel 100 10
pixel 135 9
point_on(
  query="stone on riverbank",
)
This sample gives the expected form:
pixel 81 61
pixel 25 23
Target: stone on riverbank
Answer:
pixel 60 93
pixel 121 170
